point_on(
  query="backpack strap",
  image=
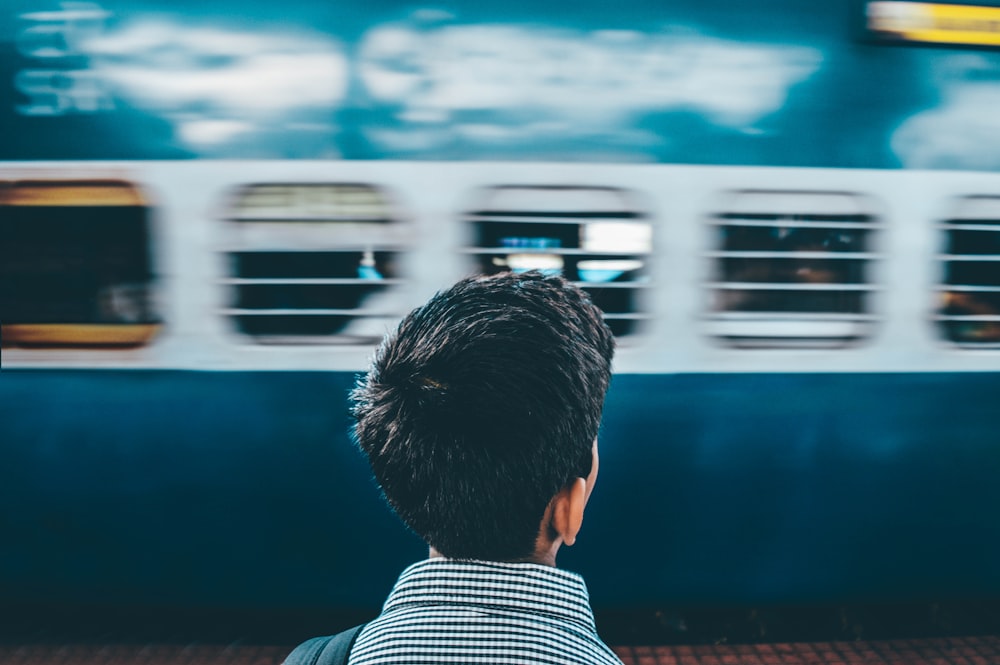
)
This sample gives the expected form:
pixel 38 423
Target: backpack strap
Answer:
pixel 329 650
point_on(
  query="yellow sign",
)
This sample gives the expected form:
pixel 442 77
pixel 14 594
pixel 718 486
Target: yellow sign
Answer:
pixel 934 23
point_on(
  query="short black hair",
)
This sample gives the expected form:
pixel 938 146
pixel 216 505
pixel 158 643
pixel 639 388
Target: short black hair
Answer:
pixel 481 406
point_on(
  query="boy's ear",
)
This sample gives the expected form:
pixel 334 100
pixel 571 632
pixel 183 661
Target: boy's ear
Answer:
pixel 567 509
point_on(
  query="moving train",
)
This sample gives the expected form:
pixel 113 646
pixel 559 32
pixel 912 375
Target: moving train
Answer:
pixel 802 271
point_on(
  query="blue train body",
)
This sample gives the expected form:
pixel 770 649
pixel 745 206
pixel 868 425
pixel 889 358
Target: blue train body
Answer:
pixel 243 489
pixel 789 222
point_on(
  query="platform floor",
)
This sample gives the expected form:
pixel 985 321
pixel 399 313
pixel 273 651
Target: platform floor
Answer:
pixel 945 651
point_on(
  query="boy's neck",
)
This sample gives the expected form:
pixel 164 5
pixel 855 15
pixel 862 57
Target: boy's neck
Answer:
pixel 547 558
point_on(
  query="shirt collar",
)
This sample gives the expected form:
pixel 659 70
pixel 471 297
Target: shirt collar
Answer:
pixel 524 587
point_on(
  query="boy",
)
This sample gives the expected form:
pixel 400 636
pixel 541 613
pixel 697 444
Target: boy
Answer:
pixel 479 417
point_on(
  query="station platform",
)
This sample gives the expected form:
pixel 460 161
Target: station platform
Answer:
pixel 984 650
pixel 952 633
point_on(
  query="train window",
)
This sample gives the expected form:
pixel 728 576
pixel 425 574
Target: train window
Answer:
pixel 312 263
pixel 791 269
pixel 75 265
pixel 968 310
pixel 593 236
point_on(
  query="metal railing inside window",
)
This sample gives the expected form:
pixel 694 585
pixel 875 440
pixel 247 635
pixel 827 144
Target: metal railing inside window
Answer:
pixel 595 237
pixel 75 264
pixel 968 308
pixel 313 263
pixel 790 269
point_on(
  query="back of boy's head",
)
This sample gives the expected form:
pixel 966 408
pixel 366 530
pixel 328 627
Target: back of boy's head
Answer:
pixel 481 406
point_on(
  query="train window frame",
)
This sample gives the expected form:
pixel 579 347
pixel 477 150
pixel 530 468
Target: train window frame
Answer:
pixel 827 224
pixel 614 238
pixel 111 301
pixel 969 216
pixel 313 236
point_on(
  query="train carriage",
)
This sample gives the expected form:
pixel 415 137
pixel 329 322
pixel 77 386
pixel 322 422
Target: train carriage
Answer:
pixel 206 225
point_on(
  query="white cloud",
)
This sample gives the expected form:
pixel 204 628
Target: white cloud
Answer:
pixel 487 83
pixel 592 78
pixel 385 67
pixel 254 85
pixel 963 132
pixel 212 132
pixel 486 132
pixel 219 84
pixel 408 140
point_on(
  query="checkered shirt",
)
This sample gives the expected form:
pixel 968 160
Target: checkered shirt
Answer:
pixel 451 611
